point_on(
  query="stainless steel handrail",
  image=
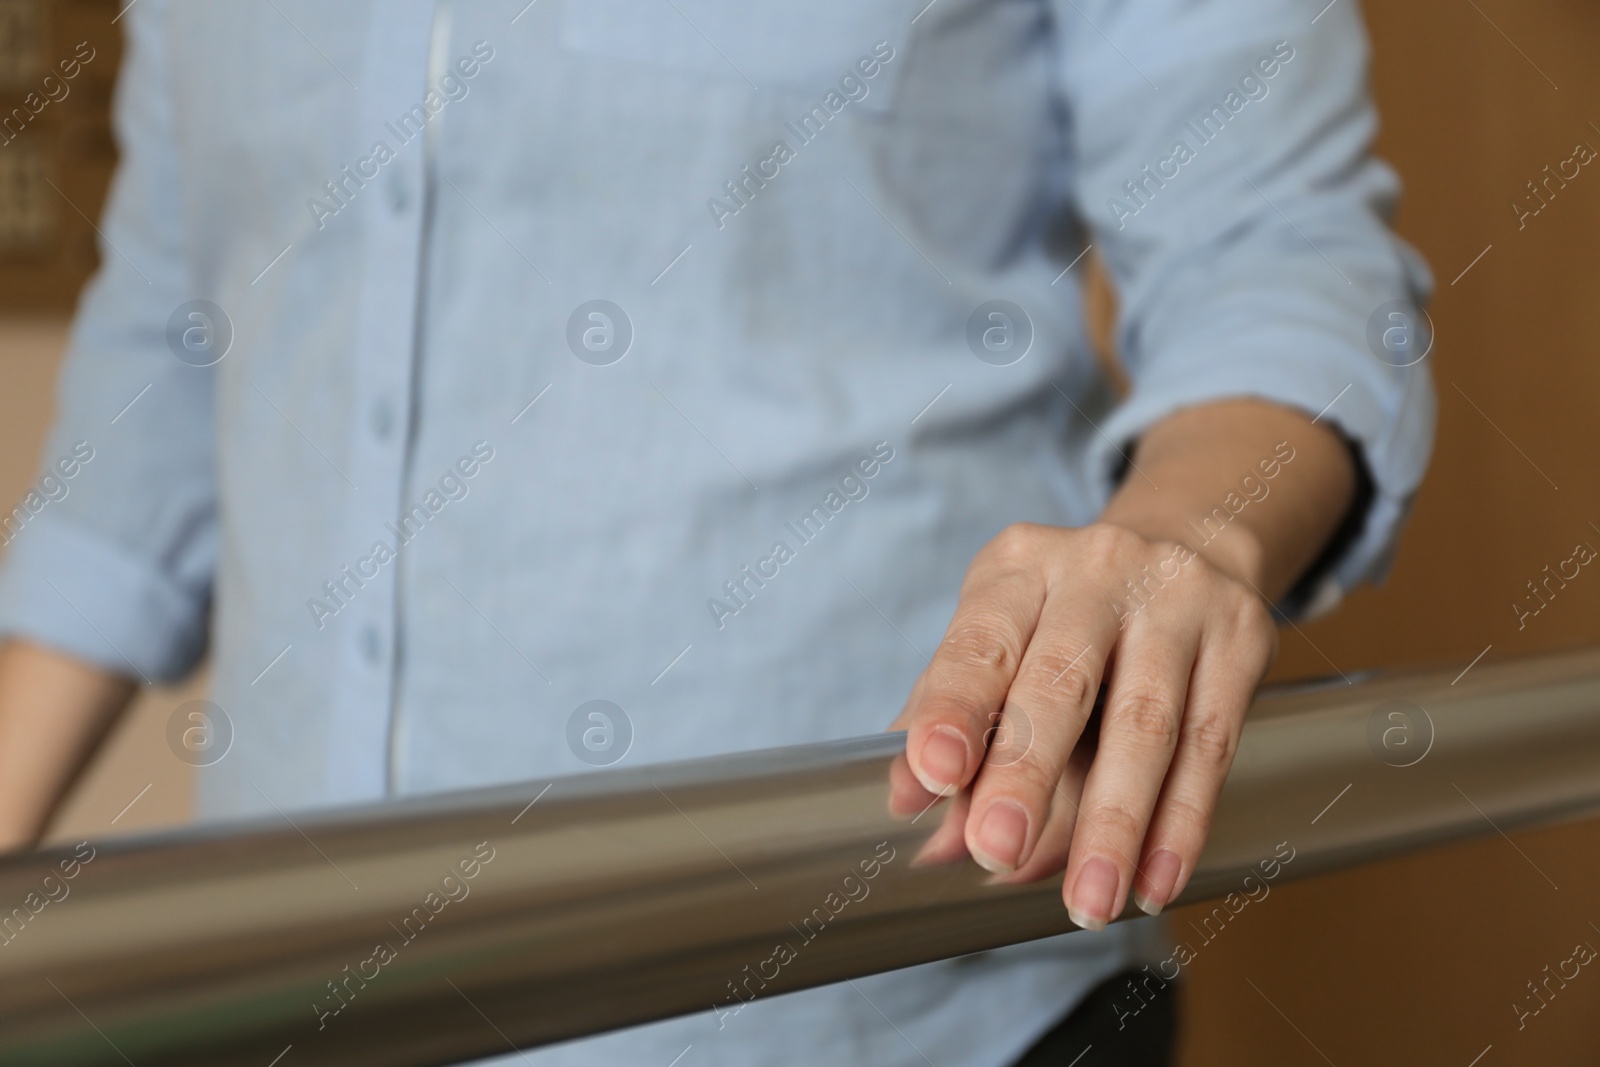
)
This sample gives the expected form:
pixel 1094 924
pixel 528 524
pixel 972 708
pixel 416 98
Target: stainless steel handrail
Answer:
pixel 389 935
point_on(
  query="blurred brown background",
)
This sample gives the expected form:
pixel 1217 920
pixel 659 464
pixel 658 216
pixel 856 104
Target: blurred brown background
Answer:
pixel 1410 962
pixel 56 151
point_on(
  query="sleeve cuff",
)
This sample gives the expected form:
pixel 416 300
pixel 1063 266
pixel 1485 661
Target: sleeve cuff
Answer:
pixel 69 589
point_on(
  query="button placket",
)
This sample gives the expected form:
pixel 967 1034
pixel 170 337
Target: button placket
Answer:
pixel 357 757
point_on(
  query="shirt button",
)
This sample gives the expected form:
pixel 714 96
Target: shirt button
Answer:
pixel 371 644
pixel 395 187
pixel 382 420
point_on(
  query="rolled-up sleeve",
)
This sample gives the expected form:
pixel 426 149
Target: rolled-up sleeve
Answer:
pixel 110 555
pixel 1223 166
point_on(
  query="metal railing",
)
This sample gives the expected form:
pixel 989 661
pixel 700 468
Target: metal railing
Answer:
pixel 439 929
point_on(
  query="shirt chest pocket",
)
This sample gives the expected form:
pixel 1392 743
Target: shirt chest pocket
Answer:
pixel 809 48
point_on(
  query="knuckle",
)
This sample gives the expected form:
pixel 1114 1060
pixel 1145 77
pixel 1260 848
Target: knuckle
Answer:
pixel 1150 718
pixel 1059 679
pixel 1017 545
pixel 952 705
pixel 1251 615
pixel 1029 779
pixel 1115 821
pixel 1106 543
pixel 984 642
pixel 1186 817
pixel 1213 741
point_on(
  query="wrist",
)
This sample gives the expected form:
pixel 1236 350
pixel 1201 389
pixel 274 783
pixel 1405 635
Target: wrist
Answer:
pixel 1235 549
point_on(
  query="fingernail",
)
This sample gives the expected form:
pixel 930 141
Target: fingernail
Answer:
pixel 1001 837
pixel 1093 894
pixel 1161 876
pixel 943 764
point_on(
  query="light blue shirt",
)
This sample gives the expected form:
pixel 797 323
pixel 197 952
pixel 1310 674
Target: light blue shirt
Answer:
pixel 426 497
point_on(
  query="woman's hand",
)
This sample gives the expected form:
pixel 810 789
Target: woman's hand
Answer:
pixel 1046 616
pixel 1164 604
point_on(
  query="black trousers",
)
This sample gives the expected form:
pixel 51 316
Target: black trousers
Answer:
pixel 1118 1027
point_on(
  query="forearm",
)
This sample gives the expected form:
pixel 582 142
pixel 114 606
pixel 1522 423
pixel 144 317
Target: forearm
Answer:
pixel 1215 478
pixel 54 711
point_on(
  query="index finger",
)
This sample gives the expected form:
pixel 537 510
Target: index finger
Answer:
pixel 964 687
